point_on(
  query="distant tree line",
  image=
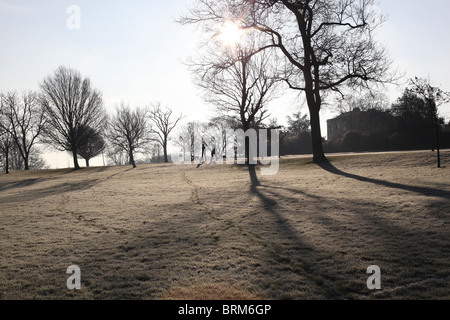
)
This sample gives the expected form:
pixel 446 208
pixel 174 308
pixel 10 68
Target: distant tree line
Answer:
pixel 412 122
pixel 368 123
pixel 67 114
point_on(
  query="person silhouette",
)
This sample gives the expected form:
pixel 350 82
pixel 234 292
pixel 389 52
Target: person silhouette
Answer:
pixel 203 151
pixel 213 150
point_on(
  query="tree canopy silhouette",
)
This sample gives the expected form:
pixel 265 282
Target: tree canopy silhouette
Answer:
pixel 91 144
pixel 70 103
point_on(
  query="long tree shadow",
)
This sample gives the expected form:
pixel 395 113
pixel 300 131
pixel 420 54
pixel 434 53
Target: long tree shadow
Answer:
pixel 253 177
pixel 308 258
pixel 427 191
pixel 302 256
pixel 61 188
pixel 18 184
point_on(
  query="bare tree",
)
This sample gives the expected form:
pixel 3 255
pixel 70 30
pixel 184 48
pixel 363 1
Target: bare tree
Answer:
pixel 433 97
pixel 323 44
pixel 128 130
pixel 70 103
pixel 187 139
pixel 165 122
pixel 118 156
pixel 183 142
pixel 91 144
pixel 35 161
pixel 236 81
pixel 25 120
pixel 6 140
pixel 6 144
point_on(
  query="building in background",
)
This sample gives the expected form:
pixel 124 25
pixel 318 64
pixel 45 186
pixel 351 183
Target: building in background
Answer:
pixel 371 121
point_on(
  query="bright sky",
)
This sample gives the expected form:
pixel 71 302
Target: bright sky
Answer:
pixel 133 51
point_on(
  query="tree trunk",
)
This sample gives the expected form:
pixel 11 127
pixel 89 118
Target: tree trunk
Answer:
pixel 166 159
pixel 75 160
pixel 192 149
pixel 246 140
pixel 247 151
pixel 132 159
pixel 87 162
pixel 314 101
pixel 6 161
pixel 316 136
pixel 26 163
pixel 436 120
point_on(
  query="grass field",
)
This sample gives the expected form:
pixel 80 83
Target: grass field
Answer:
pixel 181 232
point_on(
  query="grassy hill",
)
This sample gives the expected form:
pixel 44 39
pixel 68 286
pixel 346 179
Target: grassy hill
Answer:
pixel 181 232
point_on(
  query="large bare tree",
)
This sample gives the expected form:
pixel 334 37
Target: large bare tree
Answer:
pixel 25 119
pixel 165 121
pixel 323 44
pixel 244 89
pixel 129 130
pixel 235 80
pixel 70 104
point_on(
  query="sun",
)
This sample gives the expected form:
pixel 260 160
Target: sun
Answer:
pixel 230 34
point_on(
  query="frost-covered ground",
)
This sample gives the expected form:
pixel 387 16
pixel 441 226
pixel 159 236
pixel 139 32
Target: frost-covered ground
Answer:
pixel 181 232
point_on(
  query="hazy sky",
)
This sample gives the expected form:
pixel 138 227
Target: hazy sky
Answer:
pixel 133 50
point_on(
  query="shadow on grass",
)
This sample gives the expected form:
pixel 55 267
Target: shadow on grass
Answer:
pixel 61 188
pixel 396 247
pixel 302 259
pixel 18 184
pixel 327 166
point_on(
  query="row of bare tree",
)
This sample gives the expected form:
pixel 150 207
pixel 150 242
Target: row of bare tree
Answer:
pixel 324 49
pixel 68 114
pixel 315 47
pixel 22 122
pixel 133 131
pixel 319 48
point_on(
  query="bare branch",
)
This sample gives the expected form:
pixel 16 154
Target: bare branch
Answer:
pixel 165 122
